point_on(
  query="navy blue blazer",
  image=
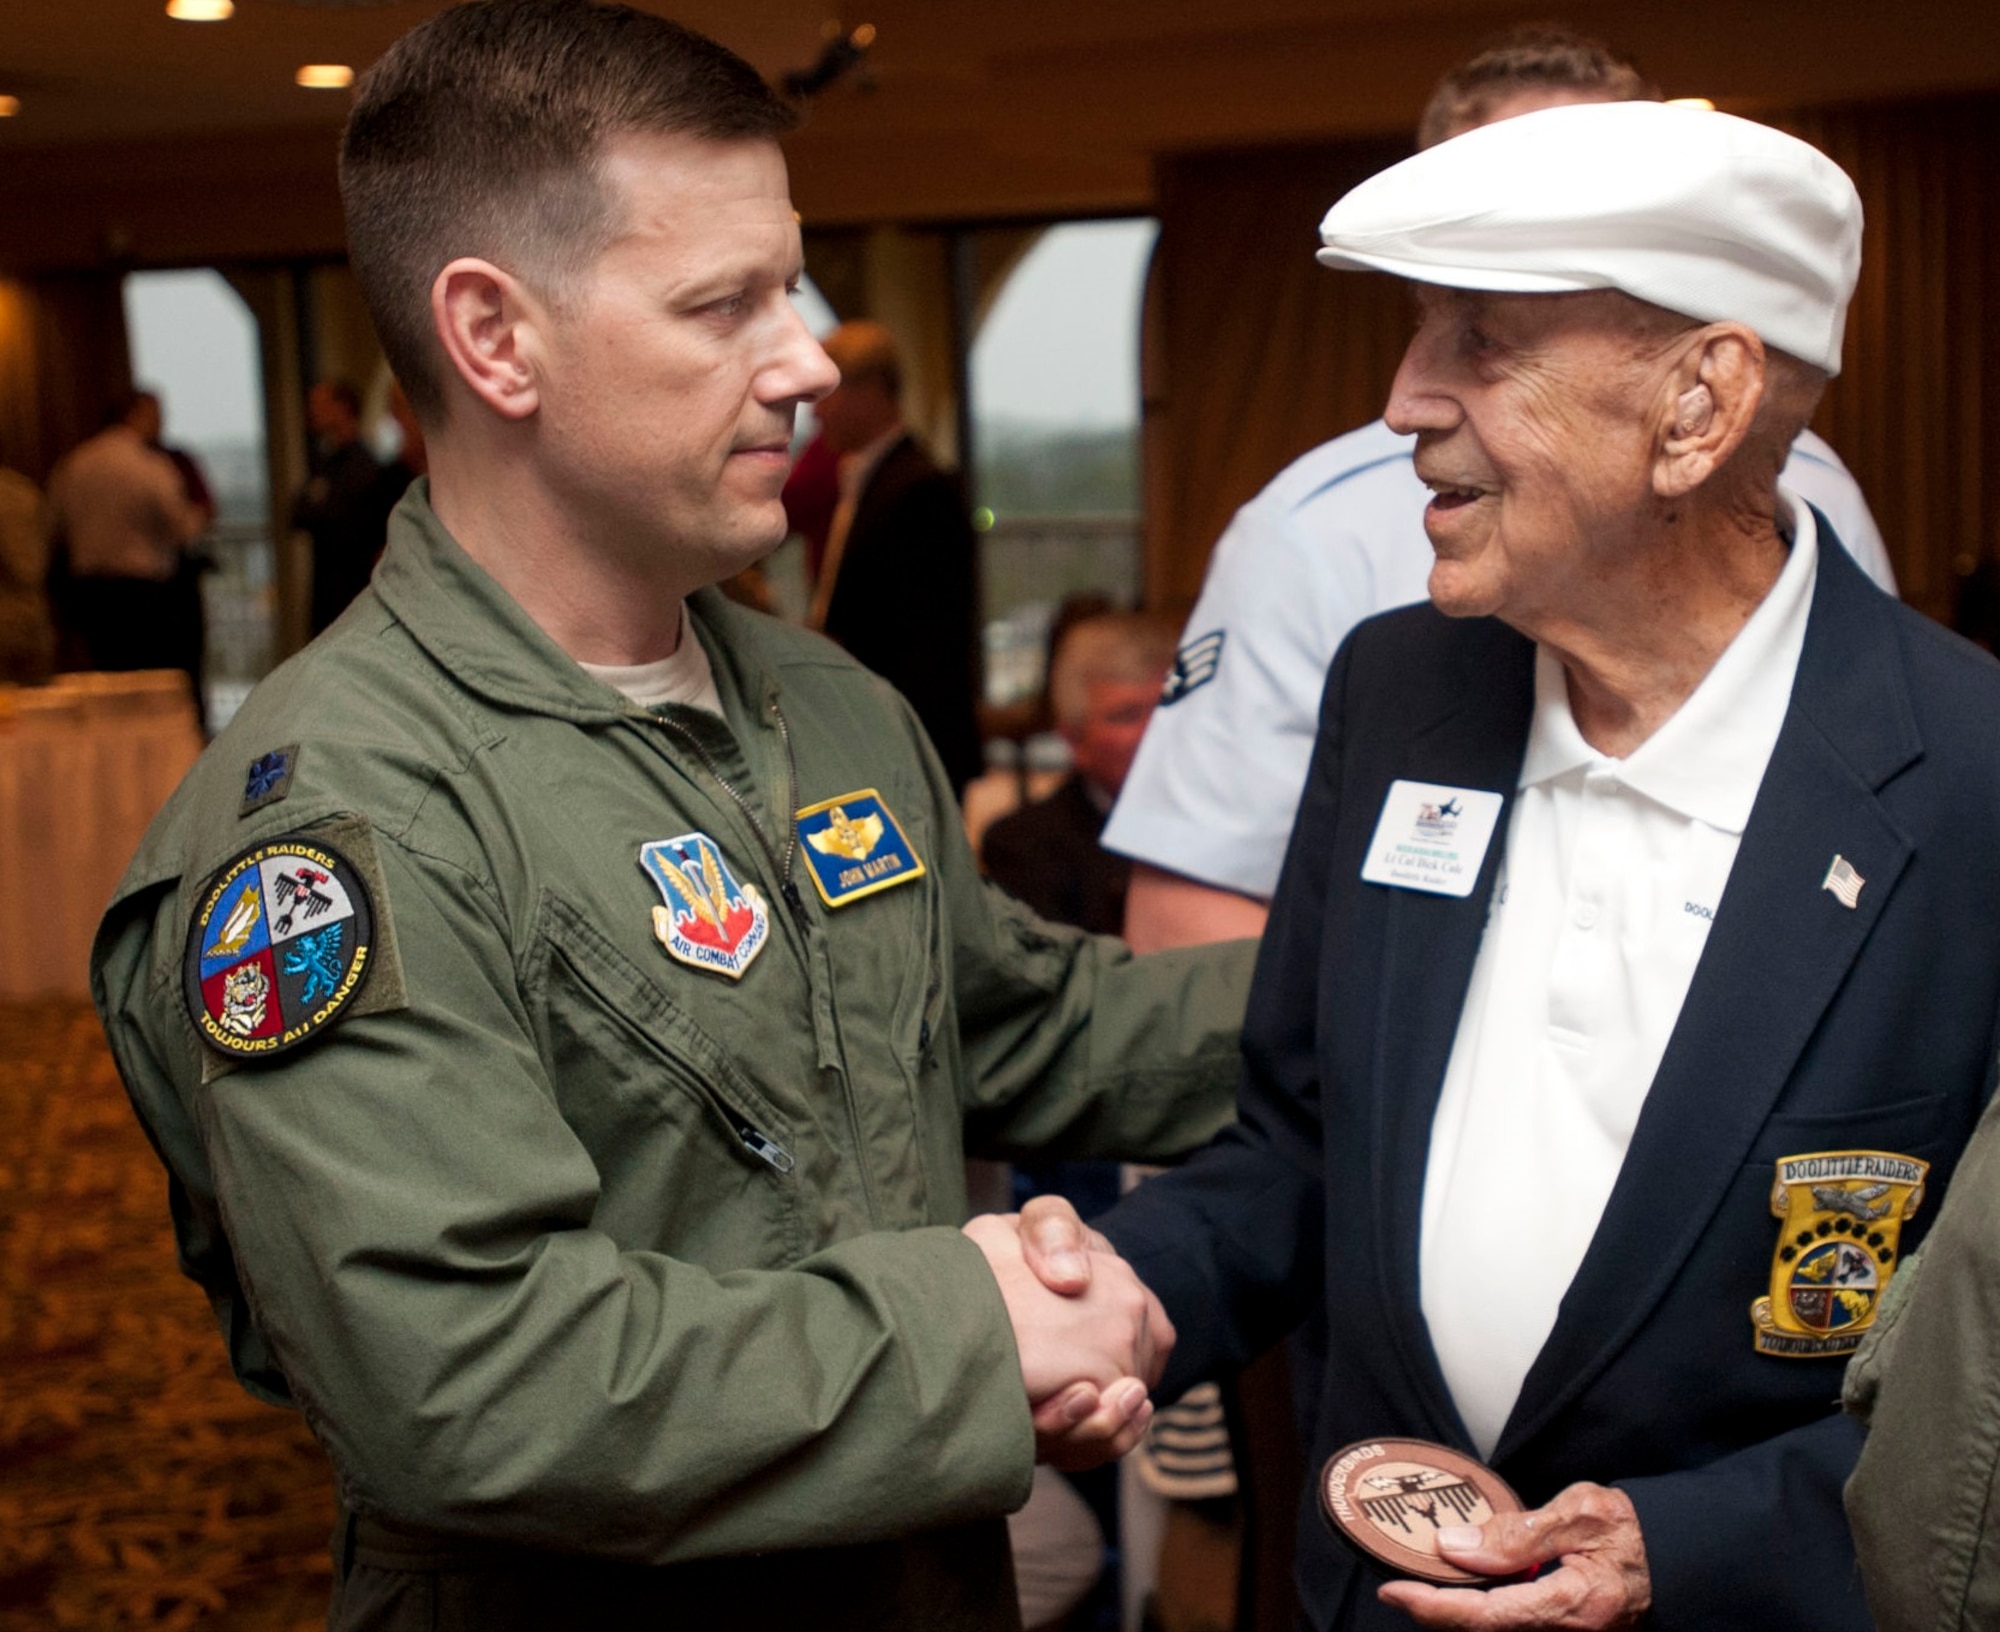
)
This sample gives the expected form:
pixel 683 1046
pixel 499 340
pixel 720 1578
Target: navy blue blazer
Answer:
pixel 1809 1027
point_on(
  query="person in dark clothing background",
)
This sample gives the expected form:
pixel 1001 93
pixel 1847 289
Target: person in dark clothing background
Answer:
pixel 339 508
pixel 899 586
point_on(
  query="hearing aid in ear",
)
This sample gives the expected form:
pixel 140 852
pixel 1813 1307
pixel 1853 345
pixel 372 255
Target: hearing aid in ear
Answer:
pixel 1691 413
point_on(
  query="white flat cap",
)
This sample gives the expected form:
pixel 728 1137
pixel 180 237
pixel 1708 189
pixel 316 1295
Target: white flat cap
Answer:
pixel 1718 218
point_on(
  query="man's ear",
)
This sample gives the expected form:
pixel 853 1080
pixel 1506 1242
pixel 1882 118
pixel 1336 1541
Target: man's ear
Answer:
pixel 1708 404
pixel 490 326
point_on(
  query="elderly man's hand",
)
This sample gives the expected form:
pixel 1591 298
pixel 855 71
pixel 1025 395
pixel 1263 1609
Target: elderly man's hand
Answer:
pixel 1058 1244
pixel 1591 1531
pixel 1089 1354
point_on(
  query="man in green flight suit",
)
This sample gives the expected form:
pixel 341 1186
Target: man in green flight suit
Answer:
pixel 562 999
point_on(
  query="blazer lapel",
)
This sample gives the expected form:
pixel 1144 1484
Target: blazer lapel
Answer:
pixel 1429 946
pixel 1780 948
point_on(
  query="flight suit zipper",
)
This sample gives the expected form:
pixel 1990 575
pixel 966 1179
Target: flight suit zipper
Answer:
pixel 767 1149
pixel 748 1134
pixel 781 865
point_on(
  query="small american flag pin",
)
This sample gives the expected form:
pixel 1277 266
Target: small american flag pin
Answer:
pixel 1843 881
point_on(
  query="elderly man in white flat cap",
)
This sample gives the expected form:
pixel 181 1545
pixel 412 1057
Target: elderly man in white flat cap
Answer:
pixel 1629 989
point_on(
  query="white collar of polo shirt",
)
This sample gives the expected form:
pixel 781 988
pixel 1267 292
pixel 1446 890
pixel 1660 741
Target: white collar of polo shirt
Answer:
pixel 1707 761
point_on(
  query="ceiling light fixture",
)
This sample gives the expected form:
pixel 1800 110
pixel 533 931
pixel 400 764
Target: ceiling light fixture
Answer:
pixel 9 106
pixel 843 52
pixel 325 76
pixel 201 11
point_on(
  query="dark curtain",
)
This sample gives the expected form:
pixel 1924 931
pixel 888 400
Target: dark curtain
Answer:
pixel 1916 409
pixel 63 358
pixel 1255 352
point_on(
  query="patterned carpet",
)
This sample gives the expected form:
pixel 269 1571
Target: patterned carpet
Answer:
pixel 139 1486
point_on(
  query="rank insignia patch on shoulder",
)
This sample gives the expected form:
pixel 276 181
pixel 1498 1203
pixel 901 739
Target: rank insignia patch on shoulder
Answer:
pixel 710 920
pixel 269 778
pixel 280 946
pixel 1842 1215
pixel 1194 666
pixel 856 848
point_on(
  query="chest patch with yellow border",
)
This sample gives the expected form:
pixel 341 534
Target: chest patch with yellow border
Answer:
pixel 1841 1218
pixel 279 947
pixel 855 848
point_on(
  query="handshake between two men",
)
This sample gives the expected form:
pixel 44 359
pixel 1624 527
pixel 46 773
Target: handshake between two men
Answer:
pixel 1093 1340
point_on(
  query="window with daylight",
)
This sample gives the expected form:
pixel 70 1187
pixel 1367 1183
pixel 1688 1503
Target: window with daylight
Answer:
pixel 195 342
pixel 1054 387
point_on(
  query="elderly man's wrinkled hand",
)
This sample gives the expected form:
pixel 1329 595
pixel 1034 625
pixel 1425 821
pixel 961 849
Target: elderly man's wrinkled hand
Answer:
pixel 1590 1532
pixel 1058 1244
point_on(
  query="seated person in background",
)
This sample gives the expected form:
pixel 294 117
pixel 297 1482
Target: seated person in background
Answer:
pixel 1104 681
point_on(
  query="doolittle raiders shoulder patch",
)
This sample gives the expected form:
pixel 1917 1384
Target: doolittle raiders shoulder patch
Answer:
pixel 281 944
pixel 1843 1213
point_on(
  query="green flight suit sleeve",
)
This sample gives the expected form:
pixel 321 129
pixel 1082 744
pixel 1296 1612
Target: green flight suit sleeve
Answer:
pixel 1074 1047
pixel 1926 1380
pixel 411 1222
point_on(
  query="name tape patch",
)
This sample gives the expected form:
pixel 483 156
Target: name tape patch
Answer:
pixel 856 848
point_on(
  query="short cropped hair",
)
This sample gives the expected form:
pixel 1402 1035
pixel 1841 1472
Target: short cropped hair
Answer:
pixel 481 132
pixel 1127 648
pixel 1535 57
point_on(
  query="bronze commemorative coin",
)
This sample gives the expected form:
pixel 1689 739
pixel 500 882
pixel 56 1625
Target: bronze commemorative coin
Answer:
pixel 1388 1498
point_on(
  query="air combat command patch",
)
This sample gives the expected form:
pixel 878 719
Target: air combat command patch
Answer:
pixel 710 920
pixel 279 947
pixel 856 848
pixel 1843 1213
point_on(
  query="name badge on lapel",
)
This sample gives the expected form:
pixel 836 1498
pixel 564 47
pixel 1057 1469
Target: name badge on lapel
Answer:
pixel 1432 838
pixel 1843 1213
pixel 855 848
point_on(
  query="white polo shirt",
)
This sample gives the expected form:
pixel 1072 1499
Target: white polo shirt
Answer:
pixel 1612 873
